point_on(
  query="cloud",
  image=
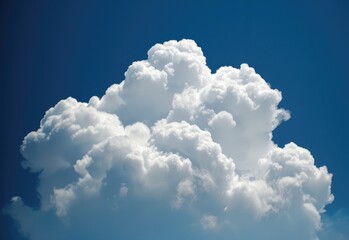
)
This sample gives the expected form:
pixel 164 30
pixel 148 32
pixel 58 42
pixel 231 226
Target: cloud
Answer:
pixel 208 222
pixel 172 152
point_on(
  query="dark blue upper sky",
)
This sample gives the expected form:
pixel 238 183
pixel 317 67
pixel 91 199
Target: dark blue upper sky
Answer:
pixel 50 50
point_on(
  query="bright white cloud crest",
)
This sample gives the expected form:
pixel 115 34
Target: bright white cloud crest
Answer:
pixel 172 152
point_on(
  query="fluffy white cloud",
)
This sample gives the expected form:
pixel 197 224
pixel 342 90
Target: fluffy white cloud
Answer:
pixel 173 150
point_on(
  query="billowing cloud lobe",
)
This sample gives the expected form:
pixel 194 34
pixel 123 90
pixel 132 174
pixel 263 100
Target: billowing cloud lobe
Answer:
pixel 172 152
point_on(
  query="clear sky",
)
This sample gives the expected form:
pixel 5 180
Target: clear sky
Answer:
pixel 52 50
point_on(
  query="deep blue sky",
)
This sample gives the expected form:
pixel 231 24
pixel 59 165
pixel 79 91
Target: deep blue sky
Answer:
pixel 50 50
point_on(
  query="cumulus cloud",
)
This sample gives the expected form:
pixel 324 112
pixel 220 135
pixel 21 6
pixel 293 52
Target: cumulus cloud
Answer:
pixel 172 152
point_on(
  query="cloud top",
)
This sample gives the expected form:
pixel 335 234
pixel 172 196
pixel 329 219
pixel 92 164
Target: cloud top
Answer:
pixel 173 150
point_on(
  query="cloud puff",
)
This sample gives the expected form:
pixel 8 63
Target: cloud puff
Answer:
pixel 172 152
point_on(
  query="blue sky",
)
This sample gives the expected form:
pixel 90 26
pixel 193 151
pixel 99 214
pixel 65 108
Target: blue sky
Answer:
pixel 50 51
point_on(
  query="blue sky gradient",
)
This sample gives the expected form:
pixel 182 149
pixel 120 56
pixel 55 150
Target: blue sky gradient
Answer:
pixel 51 50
